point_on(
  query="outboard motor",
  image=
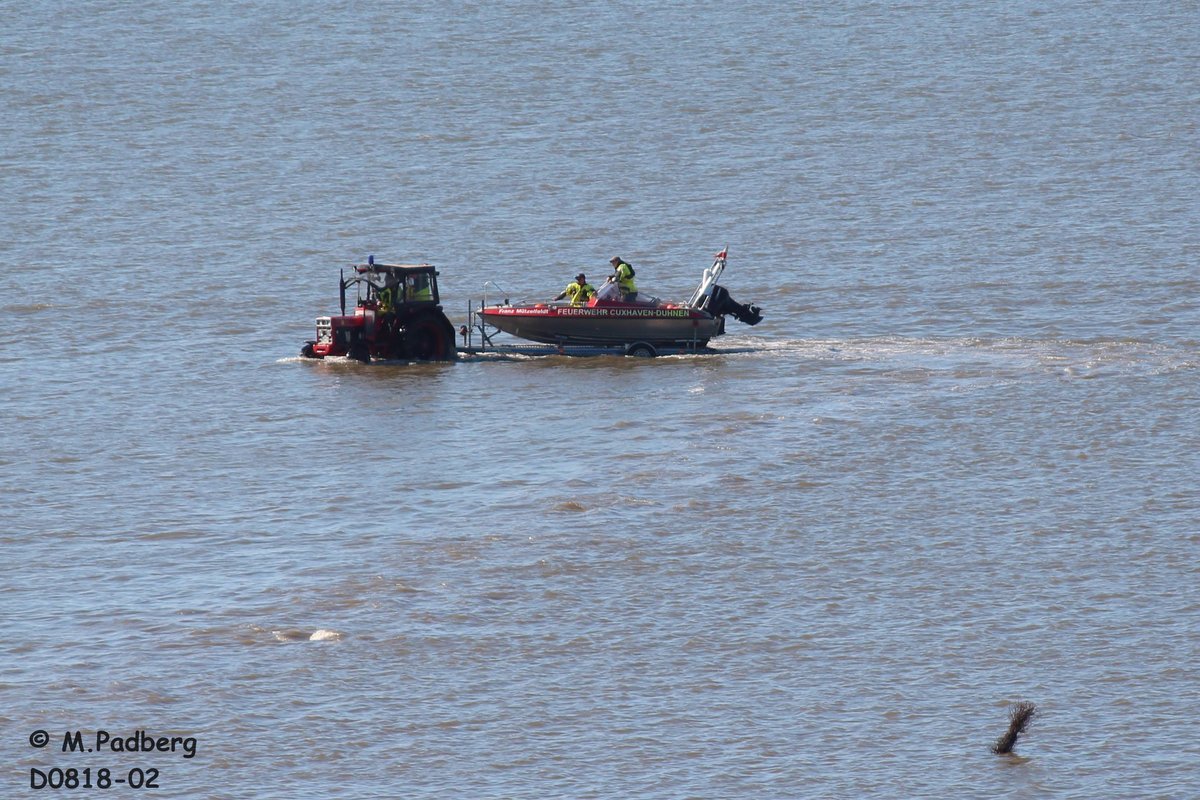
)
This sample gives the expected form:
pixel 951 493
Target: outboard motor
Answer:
pixel 720 303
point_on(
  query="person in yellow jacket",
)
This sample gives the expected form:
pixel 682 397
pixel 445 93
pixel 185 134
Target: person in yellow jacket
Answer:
pixel 579 291
pixel 419 289
pixel 386 297
pixel 624 278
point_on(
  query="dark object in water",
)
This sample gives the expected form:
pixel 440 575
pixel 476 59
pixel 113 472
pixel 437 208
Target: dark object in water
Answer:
pixel 1019 717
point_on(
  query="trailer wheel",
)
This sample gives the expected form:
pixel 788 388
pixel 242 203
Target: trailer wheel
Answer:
pixel 641 350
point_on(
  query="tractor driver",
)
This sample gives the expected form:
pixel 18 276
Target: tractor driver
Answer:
pixel 386 297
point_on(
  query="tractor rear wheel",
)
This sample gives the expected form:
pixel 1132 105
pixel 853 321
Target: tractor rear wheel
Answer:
pixel 429 337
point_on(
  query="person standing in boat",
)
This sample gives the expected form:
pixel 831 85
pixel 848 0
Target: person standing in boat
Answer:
pixel 579 291
pixel 624 278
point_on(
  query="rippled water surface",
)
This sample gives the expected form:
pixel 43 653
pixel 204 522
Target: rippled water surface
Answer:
pixel 954 468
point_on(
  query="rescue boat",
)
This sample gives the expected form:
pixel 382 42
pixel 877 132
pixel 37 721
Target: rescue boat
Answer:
pixel 606 320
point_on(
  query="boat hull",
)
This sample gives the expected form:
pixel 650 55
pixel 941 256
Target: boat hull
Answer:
pixel 621 324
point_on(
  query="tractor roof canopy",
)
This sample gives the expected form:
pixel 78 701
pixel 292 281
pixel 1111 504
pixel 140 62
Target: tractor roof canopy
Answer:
pixel 395 269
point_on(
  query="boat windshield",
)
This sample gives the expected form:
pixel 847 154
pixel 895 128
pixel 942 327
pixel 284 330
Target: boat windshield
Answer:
pixel 609 291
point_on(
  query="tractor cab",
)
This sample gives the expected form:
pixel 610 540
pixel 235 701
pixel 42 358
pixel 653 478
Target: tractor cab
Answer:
pixel 390 287
pixel 396 315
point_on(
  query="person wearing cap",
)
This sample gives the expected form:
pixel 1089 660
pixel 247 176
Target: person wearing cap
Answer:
pixel 624 278
pixel 579 290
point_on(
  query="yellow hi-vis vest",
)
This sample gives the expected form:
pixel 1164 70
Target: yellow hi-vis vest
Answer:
pixel 625 278
pixel 578 295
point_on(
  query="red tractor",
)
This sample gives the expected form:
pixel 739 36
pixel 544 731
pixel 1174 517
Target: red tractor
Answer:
pixel 397 316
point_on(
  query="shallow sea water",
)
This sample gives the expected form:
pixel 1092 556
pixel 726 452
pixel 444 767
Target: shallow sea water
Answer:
pixel 953 468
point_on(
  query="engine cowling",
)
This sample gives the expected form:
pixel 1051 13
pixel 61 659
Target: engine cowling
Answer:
pixel 721 304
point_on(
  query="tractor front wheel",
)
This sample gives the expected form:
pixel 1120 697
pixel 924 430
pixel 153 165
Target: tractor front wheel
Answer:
pixel 359 351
